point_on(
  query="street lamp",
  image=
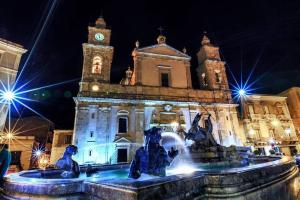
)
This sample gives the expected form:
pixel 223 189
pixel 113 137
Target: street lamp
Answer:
pixel 242 92
pixel 8 95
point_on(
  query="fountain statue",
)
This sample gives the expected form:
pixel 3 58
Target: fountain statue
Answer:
pixel 206 149
pixel 152 158
pixel 201 136
pixel 67 164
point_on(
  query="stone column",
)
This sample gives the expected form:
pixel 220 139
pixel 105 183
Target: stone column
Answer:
pixel 80 131
pixel 139 125
pixel 188 75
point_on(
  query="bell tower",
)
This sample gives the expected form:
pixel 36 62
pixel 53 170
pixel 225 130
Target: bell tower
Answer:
pixel 211 69
pixel 98 56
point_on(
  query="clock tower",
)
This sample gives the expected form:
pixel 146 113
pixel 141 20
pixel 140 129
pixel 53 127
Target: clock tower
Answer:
pixel 98 56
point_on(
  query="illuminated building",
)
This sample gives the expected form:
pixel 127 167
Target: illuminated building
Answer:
pixel 28 134
pixel 61 139
pixel 268 124
pixel 293 102
pixel 10 56
pixel 156 91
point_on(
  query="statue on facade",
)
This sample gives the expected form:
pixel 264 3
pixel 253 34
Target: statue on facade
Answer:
pixel 201 136
pixel 67 164
pixel 152 158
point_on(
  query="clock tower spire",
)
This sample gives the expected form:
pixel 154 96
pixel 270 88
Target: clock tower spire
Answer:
pixel 98 56
pixel 99 34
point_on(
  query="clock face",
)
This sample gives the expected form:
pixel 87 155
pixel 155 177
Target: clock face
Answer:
pixel 99 36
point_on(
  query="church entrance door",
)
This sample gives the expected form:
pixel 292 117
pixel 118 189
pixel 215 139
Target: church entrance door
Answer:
pixel 122 155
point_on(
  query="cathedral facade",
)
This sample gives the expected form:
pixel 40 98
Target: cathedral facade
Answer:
pixel 110 118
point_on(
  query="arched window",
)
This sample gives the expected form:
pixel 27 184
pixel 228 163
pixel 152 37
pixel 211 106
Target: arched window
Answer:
pixel 204 79
pixel 218 76
pixel 97 65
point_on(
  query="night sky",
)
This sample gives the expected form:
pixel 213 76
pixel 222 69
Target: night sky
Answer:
pixel 265 34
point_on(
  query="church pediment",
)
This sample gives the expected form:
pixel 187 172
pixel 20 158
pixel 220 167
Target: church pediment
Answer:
pixel 122 140
pixel 162 50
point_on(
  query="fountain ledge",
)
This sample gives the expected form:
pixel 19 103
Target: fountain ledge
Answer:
pixel 233 183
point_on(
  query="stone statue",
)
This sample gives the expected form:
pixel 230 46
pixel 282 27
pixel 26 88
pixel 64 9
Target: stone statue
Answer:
pixel 206 149
pixel 152 158
pixel 67 164
pixel 201 136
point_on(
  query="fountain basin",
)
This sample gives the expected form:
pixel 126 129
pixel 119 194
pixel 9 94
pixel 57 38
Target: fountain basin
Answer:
pixel 233 183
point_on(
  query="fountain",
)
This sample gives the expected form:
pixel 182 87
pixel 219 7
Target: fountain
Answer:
pixel 231 174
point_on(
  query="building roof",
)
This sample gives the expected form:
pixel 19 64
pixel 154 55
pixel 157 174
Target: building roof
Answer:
pixel 32 126
pixel 265 97
pixel 289 90
pixel 12 45
pixel 161 50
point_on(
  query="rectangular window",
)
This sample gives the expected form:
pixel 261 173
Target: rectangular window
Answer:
pixel 122 125
pixel 68 139
pixel 91 133
pixel 8 59
pixel 164 79
pixel 251 109
pixel 266 109
pixel 93 115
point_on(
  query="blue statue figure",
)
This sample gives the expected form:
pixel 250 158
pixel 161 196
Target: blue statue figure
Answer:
pixel 201 135
pixel 67 164
pixel 5 159
pixel 152 158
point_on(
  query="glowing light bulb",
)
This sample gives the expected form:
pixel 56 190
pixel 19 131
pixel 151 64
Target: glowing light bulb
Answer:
pixel 9 95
